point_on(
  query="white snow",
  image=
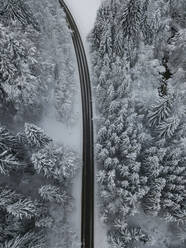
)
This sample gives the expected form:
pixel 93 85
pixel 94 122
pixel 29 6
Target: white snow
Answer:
pixel 70 136
pixel 84 12
pixel 100 231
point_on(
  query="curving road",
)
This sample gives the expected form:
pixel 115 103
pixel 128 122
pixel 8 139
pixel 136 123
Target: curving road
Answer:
pixel 87 224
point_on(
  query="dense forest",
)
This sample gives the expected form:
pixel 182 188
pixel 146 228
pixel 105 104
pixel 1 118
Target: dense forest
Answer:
pixel 37 76
pixel 138 50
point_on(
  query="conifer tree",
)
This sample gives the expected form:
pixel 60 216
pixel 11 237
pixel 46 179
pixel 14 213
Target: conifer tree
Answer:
pixel 56 162
pixel 35 136
pixel 31 79
pixel 22 208
pixel 8 162
pixel 12 10
pixel 53 194
pixel 140 103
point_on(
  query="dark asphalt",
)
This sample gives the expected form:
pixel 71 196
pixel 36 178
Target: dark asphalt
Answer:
pixel 87 224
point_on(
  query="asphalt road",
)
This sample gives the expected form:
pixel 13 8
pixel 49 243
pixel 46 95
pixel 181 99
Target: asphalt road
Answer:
pixel 87 223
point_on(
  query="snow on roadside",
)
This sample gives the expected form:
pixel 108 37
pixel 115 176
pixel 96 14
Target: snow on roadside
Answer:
pixel 84 12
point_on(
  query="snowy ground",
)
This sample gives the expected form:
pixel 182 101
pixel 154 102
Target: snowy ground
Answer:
pixel 84 12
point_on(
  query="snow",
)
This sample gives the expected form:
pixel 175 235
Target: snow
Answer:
pixel 84 13
pixel 161 233
pixel 70 136
pixel 100 231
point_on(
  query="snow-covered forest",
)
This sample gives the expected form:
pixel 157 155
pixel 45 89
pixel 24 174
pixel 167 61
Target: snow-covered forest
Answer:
pixel 38 85
pixel 138 51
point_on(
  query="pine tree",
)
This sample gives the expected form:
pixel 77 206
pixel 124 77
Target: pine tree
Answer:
pixel 53 194
pixel 152 201
pixel 29 240
pixel 36 71
pixel 130 19
pixel 7 197
pixel 45 222
pixel 127 237
pixel 129 27
pixel 35 136
pixel 8 141
pixel 12 10
pixel 140 104
pixel 160 112
pixel 23 209
pixel 8 162
pixel 8 70
pixel 19 60
pixel 56 162
pixel 65 91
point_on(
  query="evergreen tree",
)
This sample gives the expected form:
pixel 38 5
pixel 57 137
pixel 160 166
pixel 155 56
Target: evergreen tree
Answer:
pixel 35 136
pixel 28 240
pixel 137 50
pixel 36 74
pixel 12 10
pixel 127 237
pixel 52 194
pixel 8 197
pixel 18 68
pixel 56 162
pixel 130 21
pixel 8 162
pixel 22 208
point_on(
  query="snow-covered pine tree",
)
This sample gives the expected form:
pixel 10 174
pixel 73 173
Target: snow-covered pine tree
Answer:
pixel 168 119
pixel 165 172
pixel 64 91
pixel 30 240
pixel 16 10
pixel 57 58
pixel 18 218
pixel 23 209
pixel 8 141
pixel 152 200
pixel 120 131
pixel 26 214
pixel 44 222
pixel 130 22
pixel 29 78
pixel 134 139
pixel 128 237
pixel 7 197
pixel 20 72
pixel 11 151
pixel 17 205
pixel 119 138
pixel 53 194
pixel 35 136
pixel 8 163
pixel 57 162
